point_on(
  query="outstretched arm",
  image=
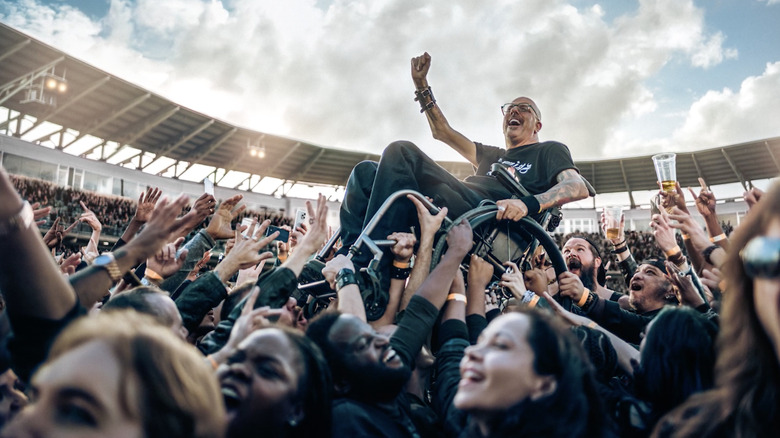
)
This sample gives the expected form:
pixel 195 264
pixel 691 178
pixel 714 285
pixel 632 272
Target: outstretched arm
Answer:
pixel 440 127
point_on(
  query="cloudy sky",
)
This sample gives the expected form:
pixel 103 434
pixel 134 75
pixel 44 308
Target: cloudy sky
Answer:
pixel 612 77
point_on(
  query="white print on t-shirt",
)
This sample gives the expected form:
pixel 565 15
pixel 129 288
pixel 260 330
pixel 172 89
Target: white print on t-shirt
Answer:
pixel 521 168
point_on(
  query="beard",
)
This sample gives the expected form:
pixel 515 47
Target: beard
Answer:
pixel 378 383
pixel 587 273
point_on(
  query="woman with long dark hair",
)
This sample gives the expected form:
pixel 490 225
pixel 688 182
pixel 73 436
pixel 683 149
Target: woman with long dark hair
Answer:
pixel 526 376
pixel 747 372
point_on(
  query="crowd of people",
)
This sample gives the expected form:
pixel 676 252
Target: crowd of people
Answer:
pixel 286 338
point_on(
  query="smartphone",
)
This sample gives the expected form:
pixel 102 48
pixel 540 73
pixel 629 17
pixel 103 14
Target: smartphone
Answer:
pixel 247 221
pixel 283 236
pixel 300 218
pixel 208 187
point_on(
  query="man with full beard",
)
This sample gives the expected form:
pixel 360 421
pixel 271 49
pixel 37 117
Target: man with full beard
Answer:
pixel 584 260
pixel 370 369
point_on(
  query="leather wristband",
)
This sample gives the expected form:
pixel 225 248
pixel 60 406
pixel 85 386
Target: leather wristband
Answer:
pixel 708 252
pixel 620 250
pixel 345 277
pixel 399 273
pixel 532 204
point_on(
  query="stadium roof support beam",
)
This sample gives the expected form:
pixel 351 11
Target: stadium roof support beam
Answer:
pixel 184 138
pixel 252 188
pixel 210 148
pixel 628 186
pixel 64 106
pixel 90 150
pixel 48 136
pixel 14 49
pixel 135 132
pixel 305 170
pixel 772 154
pixel 698 168
pixel 9 120
pixel 175 163
pixel 286 156
pixel 113 115
pixel 10 89
pixel 734 168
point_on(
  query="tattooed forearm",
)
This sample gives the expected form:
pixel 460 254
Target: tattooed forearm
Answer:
pixel 570 188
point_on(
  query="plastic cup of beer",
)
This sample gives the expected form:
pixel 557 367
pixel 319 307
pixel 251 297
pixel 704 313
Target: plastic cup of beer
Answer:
pixel 612 220
pixel 666 170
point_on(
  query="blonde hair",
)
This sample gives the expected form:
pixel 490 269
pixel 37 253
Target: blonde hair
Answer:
pixel 178 395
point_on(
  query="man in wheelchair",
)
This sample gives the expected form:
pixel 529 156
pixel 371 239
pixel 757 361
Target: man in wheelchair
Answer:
pixel 545 169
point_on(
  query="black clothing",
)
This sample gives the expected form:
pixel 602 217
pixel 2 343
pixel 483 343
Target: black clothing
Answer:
pixel 404 166
pixel 360 419
pixel 624 324
pixel 276 286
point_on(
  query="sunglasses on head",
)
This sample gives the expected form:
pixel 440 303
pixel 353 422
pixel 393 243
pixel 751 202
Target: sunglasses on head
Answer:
pixel 761 257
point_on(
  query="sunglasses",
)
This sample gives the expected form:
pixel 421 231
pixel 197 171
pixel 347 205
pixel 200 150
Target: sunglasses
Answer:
pixel 761 257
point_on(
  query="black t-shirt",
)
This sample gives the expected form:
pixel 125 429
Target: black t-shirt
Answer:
pixel 536 165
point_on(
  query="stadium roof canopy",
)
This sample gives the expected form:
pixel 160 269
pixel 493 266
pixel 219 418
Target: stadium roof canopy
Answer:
pixel 102 106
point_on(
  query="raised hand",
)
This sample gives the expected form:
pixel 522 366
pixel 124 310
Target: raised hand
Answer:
pixel 90 218
pixel 420 66
pixel 40 213
pixel 219 227
pixel 193 274
pixel 68 264
pixel 513 280
pixel 480 273
pixel 203 207
pixel 663 232
pixel 429 223
pixel 676 199
pixel 166 262
pixel 317 234
pixel 752 196
pixel 459 238
pixel 705 200
pixel 162 224
pixel 146 202
pixel 246 251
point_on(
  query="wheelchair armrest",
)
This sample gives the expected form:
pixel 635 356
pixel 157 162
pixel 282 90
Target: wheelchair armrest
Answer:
pixel 507 180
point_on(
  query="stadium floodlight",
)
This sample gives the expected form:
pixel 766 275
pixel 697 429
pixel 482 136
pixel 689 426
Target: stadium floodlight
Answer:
pixel 44 88
pixel 256 151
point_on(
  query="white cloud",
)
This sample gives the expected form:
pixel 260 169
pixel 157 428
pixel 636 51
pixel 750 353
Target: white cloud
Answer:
pixel 339 75
pixel 727 117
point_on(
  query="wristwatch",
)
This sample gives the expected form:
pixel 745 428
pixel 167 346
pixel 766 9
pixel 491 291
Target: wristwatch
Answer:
pixel 21 220
pixel 107 261
pixel 345 277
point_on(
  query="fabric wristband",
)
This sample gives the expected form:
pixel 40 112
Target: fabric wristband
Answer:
pixel 402 265
pixel 532 204
pixel 718 238
pixel 583 298
pixel 457 297
pixel 673 252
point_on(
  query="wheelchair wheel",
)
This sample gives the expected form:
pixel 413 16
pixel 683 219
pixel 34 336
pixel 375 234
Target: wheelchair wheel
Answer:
pixel 501 241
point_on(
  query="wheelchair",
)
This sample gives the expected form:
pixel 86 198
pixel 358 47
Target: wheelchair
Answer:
pixel 496 241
